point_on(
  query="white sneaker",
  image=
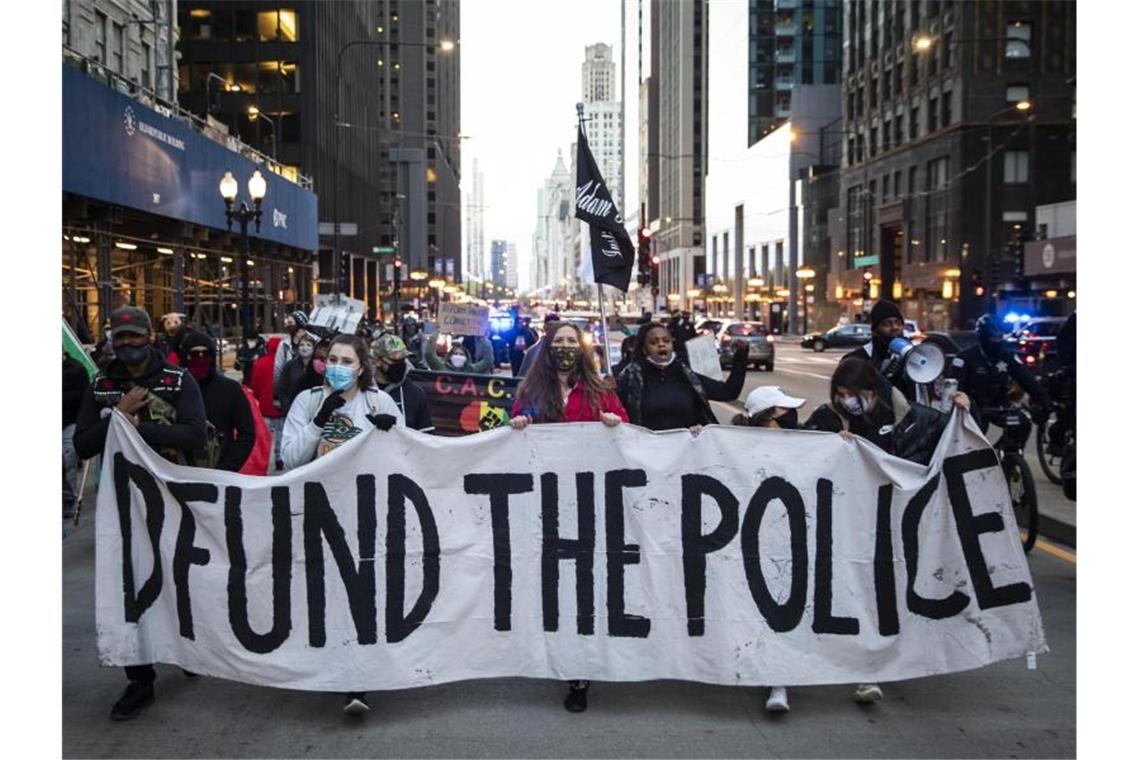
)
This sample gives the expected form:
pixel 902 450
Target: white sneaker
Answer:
pixel 777 700
pixel 868 693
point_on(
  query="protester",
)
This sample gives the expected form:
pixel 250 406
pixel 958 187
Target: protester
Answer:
pixel 74 386
pixel 661 392
pixel 532 353
pixel 164 404
pixel 322 418
pixel 295 323
pixel 628 352
pixel 682 330
pixel 864 404
pixel 305 370
pixel 564 386
pixel 104 352
pixel 174 329
pixel 886 324
pixel 392 367
pixel 481 353
pixel 521 339
pixel 457 359
pixel 252 348
pixel 769 407
pixel 261 382
pixel 227 408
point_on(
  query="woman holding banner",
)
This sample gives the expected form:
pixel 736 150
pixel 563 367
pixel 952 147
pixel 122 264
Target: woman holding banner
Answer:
pixel 563 385
pixel 345 405
pixel 864 404
pixel 661 392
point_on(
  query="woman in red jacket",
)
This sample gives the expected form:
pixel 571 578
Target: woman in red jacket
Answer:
pixel 563 385
pixel 261 382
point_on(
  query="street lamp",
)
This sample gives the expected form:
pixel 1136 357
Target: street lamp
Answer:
pixel 445 46
pixel 255 114
pixel 257 187
pixel 228 86
pixel 805 273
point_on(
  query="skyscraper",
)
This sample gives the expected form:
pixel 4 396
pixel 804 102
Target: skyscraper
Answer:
pixel 475 264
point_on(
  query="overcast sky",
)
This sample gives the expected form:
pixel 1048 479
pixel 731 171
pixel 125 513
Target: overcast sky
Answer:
pixel 521 74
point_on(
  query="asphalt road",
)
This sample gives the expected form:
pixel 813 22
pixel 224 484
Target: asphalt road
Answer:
pixel 1004 710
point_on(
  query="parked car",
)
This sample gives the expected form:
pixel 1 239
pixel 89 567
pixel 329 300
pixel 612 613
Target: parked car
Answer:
pixel 761 345
pixel 840 336
pixel 1034 342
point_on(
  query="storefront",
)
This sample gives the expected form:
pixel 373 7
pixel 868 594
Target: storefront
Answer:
pixel 144 222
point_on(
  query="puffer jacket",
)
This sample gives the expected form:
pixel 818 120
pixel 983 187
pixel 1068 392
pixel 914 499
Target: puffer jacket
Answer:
pixel 915 429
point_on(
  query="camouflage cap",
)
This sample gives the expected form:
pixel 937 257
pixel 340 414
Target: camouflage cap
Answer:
pixel 387 345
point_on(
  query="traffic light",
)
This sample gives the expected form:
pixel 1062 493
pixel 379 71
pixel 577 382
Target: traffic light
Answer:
pixel 345 272
pixel 976 284
pixel 654 271
pixel 867 276
pixel 644 264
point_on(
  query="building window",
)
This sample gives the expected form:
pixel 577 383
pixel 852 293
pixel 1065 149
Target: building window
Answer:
pixel 201 23
pixel 946 109
pixel 887 135
pixel 898 130
pixel 898 184
pixel 145 66
pixel 932 115
pixel 277 25
pixel 1015 93
pixel 1018 39
pixel 117 51
pixel 277 76
pixel 913 123
pixel 912 180
pixel 874 141
pixel 1016 166
pixel 101 37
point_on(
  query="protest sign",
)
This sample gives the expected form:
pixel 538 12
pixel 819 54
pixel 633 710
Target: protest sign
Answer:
pixel 462 403
pixel 740 556
pixel 703 357
pixel 462 319
pixel 343 316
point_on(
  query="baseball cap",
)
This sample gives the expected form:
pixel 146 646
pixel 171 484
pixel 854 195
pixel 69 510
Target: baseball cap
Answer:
pixel 130 319
pixel 388 344
pixel 768 396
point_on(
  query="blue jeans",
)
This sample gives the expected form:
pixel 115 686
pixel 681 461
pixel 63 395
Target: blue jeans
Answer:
pixel 70 471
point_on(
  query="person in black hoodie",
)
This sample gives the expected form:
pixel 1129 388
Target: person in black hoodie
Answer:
pixel 74 385
pixel 886 325
pixel 660 392
pixel 392 366
pixel 252 348
pixel 227 407
pixel 864 404
pixel 164 403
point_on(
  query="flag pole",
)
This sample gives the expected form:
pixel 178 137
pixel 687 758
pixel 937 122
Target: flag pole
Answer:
pixel 601 296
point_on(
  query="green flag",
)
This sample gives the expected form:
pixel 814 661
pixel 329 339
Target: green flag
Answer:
pixel 73 347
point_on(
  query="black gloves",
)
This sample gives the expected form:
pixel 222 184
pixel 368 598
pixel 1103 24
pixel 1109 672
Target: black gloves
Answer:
pixel 332 403
pixel 382 421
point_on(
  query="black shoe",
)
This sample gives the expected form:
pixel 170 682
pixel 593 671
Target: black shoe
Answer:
pixel 138 695
pixel 576 699
pixel 356 703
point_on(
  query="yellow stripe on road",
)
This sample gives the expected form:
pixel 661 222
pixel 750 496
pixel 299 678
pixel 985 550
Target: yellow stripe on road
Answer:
pixel 1056 551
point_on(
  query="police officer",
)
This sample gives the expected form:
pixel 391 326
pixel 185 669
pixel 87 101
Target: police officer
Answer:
pixel 984 371
pixel 886 325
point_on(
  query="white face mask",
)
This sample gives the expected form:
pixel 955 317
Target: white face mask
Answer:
pixel 457 360
pixel 665 362
pixel 853 405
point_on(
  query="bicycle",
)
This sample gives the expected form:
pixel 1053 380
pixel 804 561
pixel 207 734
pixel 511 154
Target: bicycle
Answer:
pixel 1010 447
pixel 1054 439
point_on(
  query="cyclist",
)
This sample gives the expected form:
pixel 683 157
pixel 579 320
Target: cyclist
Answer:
pixel 984 371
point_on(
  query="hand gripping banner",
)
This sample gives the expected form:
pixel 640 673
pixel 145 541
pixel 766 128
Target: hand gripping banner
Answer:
pixel 740 556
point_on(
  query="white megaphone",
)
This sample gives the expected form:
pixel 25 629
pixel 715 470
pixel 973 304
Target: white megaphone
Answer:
pixel 922 363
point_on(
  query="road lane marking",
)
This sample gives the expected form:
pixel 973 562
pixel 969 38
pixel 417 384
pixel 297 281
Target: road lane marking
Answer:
pixel 805 374
pixel 1056 551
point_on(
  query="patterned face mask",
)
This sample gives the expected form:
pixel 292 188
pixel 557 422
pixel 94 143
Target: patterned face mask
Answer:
pixel 566 357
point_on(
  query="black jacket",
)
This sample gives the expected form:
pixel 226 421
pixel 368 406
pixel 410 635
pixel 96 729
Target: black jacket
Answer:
pixel 169 383
pixel 227 409
pixel 909 431
pixel 986 380
pixel 296 376
pixel 698 388
pixel 247 355
pixel 74 385
pixel 412 401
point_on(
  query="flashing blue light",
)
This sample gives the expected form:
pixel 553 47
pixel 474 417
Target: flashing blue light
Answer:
pixel 1012 317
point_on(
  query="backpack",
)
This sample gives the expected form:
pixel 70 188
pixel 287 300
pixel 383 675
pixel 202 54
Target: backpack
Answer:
pixel 162 412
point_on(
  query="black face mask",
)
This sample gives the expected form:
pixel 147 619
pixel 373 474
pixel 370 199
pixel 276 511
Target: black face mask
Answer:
pixel 395 372
pixel 132 355
pixel 789 420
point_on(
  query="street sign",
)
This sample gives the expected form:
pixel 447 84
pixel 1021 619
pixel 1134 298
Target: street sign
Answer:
pixel 867 261
pixel 383 249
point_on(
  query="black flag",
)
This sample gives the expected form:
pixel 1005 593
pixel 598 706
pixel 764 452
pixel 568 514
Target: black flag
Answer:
pixel 610 246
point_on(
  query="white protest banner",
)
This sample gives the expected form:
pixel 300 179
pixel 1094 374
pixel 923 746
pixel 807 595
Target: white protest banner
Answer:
pixel 703 358
pixel 740 556
pixel 462 319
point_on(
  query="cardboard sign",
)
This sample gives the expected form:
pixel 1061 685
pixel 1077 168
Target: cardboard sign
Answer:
pixel 339 317
pixel 703 358
pixel 462 319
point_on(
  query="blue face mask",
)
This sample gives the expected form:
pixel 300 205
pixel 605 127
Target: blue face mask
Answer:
pixel 339 377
